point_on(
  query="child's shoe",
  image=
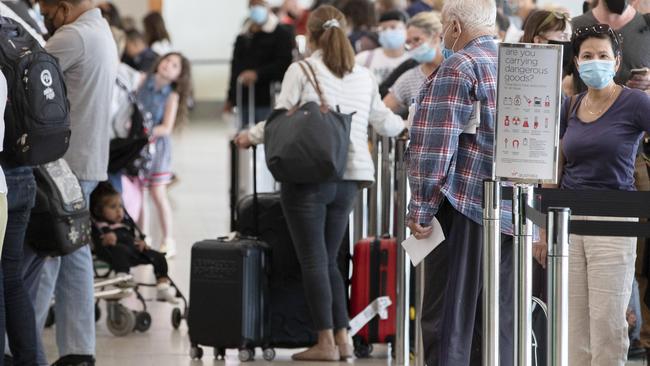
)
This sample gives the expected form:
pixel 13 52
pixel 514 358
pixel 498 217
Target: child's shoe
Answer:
pixel 164 293
pixel 168 247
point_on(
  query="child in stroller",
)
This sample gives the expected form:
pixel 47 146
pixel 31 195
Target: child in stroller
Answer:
pixel 119 242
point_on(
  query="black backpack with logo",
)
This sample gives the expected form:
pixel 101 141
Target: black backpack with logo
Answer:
pixel 37 120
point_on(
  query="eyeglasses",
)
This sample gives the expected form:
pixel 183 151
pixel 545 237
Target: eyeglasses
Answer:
pixel 549 18
pixel 584 32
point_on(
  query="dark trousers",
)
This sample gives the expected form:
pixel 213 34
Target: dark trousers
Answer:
pixel 18 307
pixel 452 307
pixel 122 257
pixel 317 216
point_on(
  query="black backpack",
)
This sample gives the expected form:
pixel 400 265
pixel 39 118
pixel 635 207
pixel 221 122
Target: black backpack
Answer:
pixel 130 154
pixel 37 121
pixel 60 220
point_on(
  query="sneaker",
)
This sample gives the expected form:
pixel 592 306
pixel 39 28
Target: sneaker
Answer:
pixel 164 293
pixel 168 247
pixel 75 360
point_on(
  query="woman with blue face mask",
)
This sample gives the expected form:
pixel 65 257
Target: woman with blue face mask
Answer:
pixel 392 38
pixel 600 133
pixel 423 44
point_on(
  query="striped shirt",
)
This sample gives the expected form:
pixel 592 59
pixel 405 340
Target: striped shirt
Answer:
pixel 444 161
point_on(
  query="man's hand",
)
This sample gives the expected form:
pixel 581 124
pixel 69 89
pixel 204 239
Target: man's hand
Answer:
pixel 640 81
pixel 420 232
pixel 248 77
pixel 109 240
pixel 243 140
pixel 540 249
pixel 141 245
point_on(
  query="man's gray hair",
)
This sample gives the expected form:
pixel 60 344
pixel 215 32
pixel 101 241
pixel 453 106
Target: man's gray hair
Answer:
pixel 473 14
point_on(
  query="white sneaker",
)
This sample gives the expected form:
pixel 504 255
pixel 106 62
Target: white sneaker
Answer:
pixel 168 247
pixel 164 293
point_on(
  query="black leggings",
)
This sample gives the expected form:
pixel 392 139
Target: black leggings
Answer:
pixel 317 215
pixel 122 257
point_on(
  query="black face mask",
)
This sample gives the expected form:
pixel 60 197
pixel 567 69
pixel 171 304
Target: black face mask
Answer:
pixel 616 6
pixel 567 54
pixel 49 23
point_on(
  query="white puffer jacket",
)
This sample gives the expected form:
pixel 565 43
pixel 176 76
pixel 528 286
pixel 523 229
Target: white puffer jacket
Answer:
pixel 355 92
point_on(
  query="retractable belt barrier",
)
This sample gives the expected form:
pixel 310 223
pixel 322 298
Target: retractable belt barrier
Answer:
pixel 632 204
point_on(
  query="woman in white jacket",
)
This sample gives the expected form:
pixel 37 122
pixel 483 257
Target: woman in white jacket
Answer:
pixel 317 214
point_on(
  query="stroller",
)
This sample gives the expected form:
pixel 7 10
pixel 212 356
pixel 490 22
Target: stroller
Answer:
pixel 120 320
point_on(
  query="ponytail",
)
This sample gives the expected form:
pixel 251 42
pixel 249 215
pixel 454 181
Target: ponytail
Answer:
pixel 326 27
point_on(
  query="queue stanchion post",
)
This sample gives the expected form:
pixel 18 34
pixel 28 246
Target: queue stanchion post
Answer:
pixel 419 295
pixel 491 264
pixel 523 195
pixel 558 286
pixel 402 344
pixel 386 186
pixel 373 191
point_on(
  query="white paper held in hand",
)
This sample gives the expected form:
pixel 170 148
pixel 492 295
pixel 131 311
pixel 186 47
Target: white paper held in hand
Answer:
pixel 419 249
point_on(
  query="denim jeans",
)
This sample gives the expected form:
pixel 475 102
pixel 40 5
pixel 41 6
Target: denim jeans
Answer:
pixel 72 289
pixel 317 216
pixel 18 307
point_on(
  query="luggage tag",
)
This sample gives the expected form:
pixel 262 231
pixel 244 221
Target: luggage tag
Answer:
pixel 474 119
pixel 377 307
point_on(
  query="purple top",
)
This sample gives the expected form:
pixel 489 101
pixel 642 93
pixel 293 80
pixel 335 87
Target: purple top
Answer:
pixel 601 154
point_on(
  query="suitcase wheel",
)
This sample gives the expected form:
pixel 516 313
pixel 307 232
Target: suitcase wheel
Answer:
pixel 220 354
pixel 246 355
pixel 177 317
pixel 196 352
pixel 361 348
pixel 269 354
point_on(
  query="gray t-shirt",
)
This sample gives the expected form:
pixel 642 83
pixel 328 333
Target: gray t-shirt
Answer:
pixel 408 86
pixel 635 37
pixel 88 58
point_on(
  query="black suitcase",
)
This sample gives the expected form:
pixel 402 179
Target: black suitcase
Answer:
pixel 228 293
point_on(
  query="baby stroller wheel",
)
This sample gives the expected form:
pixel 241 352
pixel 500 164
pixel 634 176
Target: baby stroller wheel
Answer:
pixel 196 352
pixel 177 317
pixel 120 320
pixel 142 321
pixel 50 318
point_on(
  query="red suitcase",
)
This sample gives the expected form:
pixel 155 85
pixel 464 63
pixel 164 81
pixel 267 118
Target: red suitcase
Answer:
pixel 374 274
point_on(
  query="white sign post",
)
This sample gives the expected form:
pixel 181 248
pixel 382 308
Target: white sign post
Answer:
pixel 528 112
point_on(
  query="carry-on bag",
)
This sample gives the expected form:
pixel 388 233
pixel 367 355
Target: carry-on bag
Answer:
pixel 374 275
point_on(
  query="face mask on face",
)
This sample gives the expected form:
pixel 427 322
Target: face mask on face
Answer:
pixel 597 74
pixel 259 14
pixel 392 39
pixel 567 53
pixel 49 23
pixel 424 53
pixel 616 6
pixel 448 52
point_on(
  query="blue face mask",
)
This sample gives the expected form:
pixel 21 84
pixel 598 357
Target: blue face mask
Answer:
pixel 423 53
pixel 448 52
pixel 392 39
pixel 259 14
pixel 597 74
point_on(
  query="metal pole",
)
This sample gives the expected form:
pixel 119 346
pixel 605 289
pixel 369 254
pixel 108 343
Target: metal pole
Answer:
pixel 523 273
pixel 357 216
pixel 419 295
pixel 558 286
pixel 491 264
pixel 402 346
pixel 373 191
pixel 386 186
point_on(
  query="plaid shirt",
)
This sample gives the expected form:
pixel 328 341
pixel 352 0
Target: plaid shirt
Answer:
pixel 443 161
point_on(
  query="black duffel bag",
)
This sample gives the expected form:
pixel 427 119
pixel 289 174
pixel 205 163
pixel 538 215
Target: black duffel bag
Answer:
pixel 60 220
pixel 309 143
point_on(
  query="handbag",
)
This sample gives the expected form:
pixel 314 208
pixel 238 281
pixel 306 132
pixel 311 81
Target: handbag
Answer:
pixel 308 143
pixel 60 220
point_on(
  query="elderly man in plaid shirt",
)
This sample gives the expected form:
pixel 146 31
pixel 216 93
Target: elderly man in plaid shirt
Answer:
pixel 450 154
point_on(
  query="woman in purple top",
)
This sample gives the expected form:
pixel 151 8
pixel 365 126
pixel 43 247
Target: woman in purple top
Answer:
pixel 600 135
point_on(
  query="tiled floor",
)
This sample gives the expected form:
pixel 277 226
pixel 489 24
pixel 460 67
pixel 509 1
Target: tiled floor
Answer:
pixel 200 202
